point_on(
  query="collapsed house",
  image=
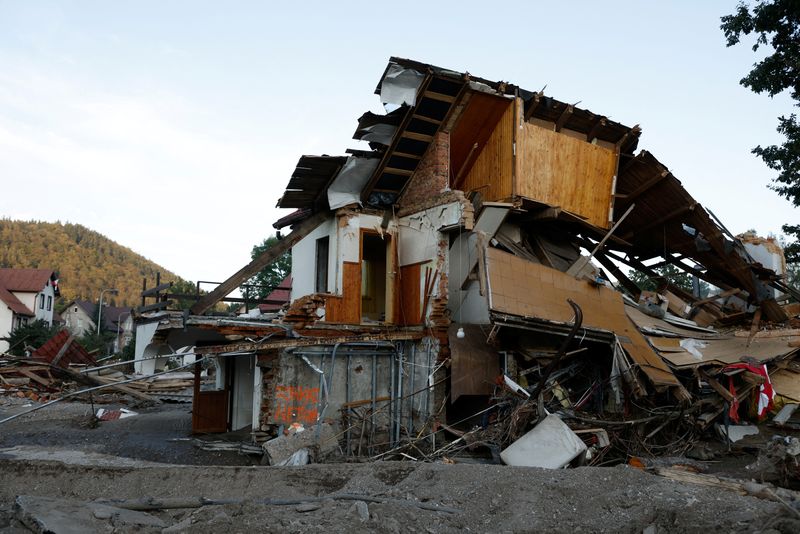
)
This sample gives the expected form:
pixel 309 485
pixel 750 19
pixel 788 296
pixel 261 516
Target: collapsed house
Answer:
pixel 466 271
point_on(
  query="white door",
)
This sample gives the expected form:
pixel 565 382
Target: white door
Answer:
pixel 243 376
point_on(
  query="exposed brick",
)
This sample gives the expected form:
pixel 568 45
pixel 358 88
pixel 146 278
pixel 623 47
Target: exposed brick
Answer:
pixel 432 176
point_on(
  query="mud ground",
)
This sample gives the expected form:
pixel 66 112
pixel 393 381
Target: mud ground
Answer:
pixel 54 454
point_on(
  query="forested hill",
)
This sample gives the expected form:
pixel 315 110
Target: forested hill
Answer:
pixel 85 260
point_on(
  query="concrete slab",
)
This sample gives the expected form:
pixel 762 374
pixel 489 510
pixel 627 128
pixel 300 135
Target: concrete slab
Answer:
pixel 65 516
pixel 550 444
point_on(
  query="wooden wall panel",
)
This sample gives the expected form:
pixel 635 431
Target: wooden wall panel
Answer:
pixel 210 411
pixel 409 312
pixel 564 171
pixel 347 308
pixel 492 172
pixel 520 287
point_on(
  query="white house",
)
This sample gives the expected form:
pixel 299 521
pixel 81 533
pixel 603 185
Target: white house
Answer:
pixel 26 295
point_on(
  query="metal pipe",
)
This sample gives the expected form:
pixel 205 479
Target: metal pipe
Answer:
pixel 95 388
pixel 391 400
pixel 400 355
pixel 100 308
pixel 411 399
pixel 374 396
pixel 347 402
pixel 330 388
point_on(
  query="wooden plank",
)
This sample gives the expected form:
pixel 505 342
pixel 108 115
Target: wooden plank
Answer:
pixel 36 378
pixel 153 307
pixel 417 136
pixel 409 312
pixel 426 119
pixel 63 350
pixel 268 257
pixel 156 290
pixel 636 193
pixel 564 117
pixel 492 171
pixel 439 96
pixel 527 289
pixel 563 171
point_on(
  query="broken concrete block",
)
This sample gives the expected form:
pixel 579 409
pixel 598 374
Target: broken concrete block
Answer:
pixel 785 414
pixel 550 444
pixel 64 516
pixel 737 432
pixel 281 449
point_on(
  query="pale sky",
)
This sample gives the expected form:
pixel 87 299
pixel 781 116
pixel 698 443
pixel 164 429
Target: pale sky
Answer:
pixel 173 127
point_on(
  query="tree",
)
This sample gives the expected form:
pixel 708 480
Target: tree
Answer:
pixel 671 273
pixel 775 23
pixel 271 275
pixel 33 334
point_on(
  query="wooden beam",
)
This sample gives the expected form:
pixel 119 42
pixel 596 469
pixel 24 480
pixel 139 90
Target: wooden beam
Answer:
pixel 633 132
pixel 401 172
pixel 269 256
pixel 63 350
pixel 535 101
pixel 153 291
pixel 426 119
pixel 153 307
pixel 438 96
pixel 668 217
pixel 599 123
pixel 621 277
pixel 406 155
pixel 636 193
pixel 564 117
pixel 417 136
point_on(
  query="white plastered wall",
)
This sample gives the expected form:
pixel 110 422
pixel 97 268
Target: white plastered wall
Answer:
pixel 6 324
pixel 304 260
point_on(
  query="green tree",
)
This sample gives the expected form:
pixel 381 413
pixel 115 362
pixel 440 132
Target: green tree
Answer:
pixel 775 24
pixel 271 275
pixel 33 335
pixel 183 287
pixel 101 342
pixel 669 272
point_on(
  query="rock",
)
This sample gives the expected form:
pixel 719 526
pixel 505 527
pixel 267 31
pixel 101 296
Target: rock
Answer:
pixel 282 448
pixel 182 526
pixel 64 516
pixel 362 510
pixel 308 507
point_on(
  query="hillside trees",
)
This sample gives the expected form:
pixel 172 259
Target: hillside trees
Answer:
pixel 86 261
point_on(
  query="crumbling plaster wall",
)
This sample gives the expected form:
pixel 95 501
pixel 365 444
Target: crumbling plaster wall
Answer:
pixel 291 389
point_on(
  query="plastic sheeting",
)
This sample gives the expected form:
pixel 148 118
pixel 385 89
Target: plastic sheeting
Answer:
pixel 399 85
pixel 347 186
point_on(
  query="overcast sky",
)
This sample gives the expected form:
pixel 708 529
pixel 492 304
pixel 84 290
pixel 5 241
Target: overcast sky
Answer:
pixel 173 127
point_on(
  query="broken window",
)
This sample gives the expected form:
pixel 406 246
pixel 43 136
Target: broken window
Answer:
pixel 321 271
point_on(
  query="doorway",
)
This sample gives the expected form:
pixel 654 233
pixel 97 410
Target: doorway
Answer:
pixel 375 262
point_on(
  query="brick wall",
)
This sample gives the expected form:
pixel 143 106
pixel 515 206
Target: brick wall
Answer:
pixel 432 176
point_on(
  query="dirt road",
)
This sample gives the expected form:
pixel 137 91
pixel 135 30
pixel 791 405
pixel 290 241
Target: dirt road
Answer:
pixel 55 455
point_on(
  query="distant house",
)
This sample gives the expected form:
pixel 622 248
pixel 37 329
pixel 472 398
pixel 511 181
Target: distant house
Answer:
pixel 278 298
pixel 80 318
pixel 26 295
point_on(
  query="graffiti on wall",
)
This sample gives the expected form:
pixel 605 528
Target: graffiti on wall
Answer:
pixel 295 404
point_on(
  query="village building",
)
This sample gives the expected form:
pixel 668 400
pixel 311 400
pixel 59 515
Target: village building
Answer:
pixel 25 295
pixel 478 242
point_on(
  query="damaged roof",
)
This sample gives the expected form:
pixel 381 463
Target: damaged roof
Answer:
pixel 425 99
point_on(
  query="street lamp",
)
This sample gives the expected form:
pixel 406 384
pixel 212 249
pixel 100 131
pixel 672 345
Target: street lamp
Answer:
pixel 100 309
